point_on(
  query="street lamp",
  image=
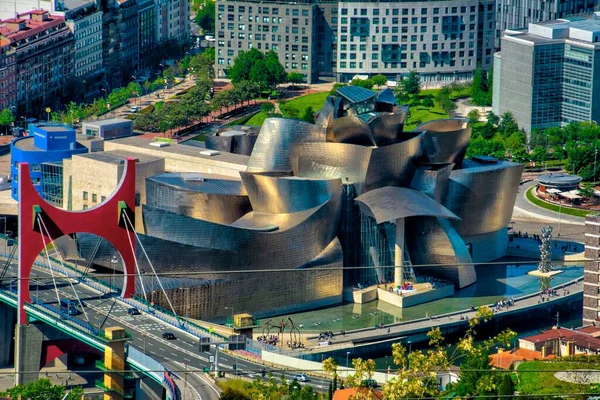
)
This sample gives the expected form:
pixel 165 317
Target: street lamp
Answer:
pixel 347 354
pixel 409 351
pixel 113 262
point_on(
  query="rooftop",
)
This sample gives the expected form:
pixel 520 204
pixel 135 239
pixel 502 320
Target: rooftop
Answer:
pixel 207 183
pixel 32 26
pixel 355 94
pixel 139 142
pixel 559 179
pixel 111 121
pixel 118 157
pixel 578 337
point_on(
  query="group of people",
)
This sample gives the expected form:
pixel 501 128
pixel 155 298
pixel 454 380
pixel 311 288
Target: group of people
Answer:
pixel 326 336
pixel 567 247
pixel 503 304
pixel 295 345
pixel 546 295
pixel 272 339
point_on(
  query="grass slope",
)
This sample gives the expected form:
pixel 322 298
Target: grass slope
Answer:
pixel 537 377
pixel 295 108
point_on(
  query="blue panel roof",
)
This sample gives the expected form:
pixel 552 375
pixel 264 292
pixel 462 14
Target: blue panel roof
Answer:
pixel 355 94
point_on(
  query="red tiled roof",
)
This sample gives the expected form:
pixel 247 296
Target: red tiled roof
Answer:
pixel 505 359
pixel 580 337
pixel 590 330
pixel 550 334
pixel 32 27
pixel 14 20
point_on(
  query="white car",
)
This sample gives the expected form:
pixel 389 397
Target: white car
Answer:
pixel 134 109
pixel 301 378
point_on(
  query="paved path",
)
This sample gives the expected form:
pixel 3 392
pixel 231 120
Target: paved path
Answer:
pixel 425 324
pixel 525 209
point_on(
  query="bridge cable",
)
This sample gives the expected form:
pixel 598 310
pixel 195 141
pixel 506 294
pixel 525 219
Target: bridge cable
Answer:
pixel 90 260
pixel 137 266
pixel 60 259
pixel 8 263
pixel 150 263
pixel 39 221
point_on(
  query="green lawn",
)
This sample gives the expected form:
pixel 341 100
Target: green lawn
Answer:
pixel 257 119
pixel 537 377
pixel 553 207
pixel 295 108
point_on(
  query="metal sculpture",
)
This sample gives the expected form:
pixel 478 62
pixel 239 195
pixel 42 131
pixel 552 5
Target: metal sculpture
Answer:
pixel 545 264
pixel 40 223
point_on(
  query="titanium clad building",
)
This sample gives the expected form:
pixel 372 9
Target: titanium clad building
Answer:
pixel 442 40
pixel 548 75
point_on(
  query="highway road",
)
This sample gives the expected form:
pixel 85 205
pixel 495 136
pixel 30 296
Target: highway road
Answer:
pixel 178 355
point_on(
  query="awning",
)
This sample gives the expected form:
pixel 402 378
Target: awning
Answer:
pixel 571 195
pixel 552 191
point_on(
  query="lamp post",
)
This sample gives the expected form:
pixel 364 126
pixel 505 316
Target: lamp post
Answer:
pixel 409 351
pixel 113 262
pixel 347 355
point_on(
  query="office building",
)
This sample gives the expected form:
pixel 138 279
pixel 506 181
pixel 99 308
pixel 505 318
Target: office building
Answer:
pixel 84 18
pixel 43 46
pixel 45 149
pixel 519 14
pixel 549 74
pixel 442 40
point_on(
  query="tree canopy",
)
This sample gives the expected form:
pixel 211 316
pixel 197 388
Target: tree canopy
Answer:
pixel 43 389
pixel 205 17
pixel 255 66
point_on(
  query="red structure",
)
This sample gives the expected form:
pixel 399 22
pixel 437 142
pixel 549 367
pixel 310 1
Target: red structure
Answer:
pixel 105 220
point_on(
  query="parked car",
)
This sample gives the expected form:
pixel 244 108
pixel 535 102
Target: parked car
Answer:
pixel 134 109
pixel 301 378
pixel 133 311
pixel 168 336
pixel 372 383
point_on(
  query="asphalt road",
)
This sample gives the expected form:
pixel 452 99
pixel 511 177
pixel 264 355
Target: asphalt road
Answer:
pixel 179 355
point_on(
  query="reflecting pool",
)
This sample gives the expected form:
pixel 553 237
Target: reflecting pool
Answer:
pixel 494 282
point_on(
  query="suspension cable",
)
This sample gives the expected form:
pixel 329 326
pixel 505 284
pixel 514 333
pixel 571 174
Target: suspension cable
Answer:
pixel 60 259
pixel 149 262
pixel 39 221
pixel 137 266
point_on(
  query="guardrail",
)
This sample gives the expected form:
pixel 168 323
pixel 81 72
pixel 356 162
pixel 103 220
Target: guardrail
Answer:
pixel 172 392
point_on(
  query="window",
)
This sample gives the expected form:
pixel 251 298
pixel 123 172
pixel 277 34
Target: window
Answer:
pixel 85 207
pixel 85 195
pixel 103 198
pixel 137 199
pixel 94 198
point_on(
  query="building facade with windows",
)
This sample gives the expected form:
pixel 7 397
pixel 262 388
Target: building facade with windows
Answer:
pixel 45 149
pixel 549 74
pixel 519 14
pixel 84 18
pixel 442 40
pixel 43 47
pixel 287 28
pixel 173 20
pixel 8 76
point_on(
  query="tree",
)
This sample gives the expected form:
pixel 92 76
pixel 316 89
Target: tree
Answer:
pixel 507 124
pixel 335 87
pixel 247 90
pixel 515 143
pixel 295 77
pixel 203 65
pixel 587 190
pixel 263 69
pixel 443 94
pixel 473 116
pixel 205 17
pixel 379 80
pixel 539 154
pixel 364 83
pixel 43 389
pixel 267 107
pixel 427 102
pixel 448 106
pixel 309 115
pixel 492 118
pixel 506 387
pixel 233 394
pixel 412 84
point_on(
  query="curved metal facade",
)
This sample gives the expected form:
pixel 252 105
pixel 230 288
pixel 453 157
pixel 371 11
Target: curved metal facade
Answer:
pixel 391 202
pixel 432 180
pixel 483 195
pixel 278 141
pixel 445 140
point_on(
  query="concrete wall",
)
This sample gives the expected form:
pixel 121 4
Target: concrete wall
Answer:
pixel 360 296
pixel 417 298
pixel 28 353
pixel 8 317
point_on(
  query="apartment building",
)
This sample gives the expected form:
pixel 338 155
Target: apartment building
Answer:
pixel 173 20
pixel 286 28
pixel 43 46
pixel 442 40
pixel 84 18
pixel 8 75
pixel 549 74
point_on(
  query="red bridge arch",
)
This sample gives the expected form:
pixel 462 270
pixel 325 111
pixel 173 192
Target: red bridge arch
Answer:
pixel 105 220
